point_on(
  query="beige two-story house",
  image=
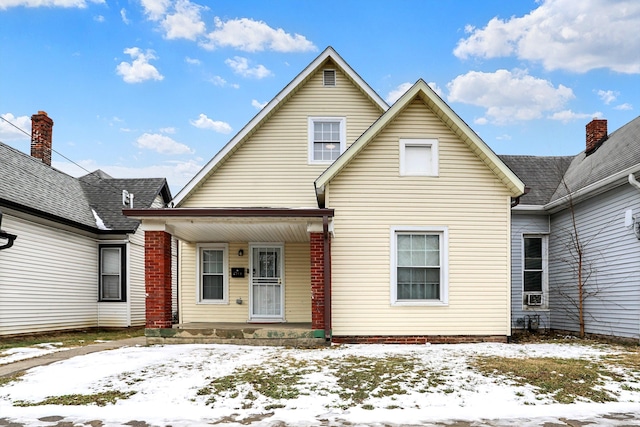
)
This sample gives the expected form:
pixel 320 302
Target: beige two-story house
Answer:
pixel 350 219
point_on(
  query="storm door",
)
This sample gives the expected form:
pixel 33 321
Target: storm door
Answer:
pixel 267 285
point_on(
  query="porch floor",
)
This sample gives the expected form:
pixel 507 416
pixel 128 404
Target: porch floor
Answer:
pixel 287 334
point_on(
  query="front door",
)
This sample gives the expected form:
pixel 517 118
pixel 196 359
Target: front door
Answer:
pixel 266 283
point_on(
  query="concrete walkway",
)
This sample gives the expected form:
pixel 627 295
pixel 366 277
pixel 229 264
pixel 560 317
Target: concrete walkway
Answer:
pixel 22 365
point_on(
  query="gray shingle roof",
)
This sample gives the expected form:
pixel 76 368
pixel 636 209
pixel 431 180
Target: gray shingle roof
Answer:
pixel 550 177
pixel 29 185
pixel 541 175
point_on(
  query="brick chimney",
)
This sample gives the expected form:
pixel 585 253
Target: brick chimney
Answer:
pixel 41 131
pixel 596 134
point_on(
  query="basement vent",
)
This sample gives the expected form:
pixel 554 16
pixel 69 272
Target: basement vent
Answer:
pixel 329 77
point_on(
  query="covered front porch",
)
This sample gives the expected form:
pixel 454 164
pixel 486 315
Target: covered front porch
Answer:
pixel 245 275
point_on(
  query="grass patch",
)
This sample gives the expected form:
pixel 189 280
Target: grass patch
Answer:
pixel 276 381
pixel 100 399
pixel 563 380
pixel 71 338
pixel 6 380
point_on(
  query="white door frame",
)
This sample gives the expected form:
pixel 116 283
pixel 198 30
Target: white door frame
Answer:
pixel 266 318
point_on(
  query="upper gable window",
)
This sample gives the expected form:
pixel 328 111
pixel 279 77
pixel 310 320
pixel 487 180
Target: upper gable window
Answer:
pixel 327 138
pixel 329 78
pixel 419 157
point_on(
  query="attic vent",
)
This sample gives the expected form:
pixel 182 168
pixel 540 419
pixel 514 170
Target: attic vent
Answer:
pixel 329 77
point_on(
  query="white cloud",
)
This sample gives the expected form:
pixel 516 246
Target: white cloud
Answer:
pixel 607 96
pixel 162 144
pixel 257 104
pixel 623 107
pixel 139 70
pixel 9 132
pixel 508 96
pixel 396 93
pixel 155 9
pixel 123 15
pixel 99 18
pixel 192 61
pixel 204 122
pixel 240 65
pixel 253 36
pixel 185 22
pixel 170 130
pixel 5 4
pixel 564 34
pixel 435 88
pixel 568 115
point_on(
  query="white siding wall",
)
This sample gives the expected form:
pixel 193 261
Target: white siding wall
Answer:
pixel 271 169
pixel 369 197
pixel 612 260
pixel 48 279
pixel 525 224
pixel 136 276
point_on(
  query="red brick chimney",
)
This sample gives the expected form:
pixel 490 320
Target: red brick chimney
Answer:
pixel 41 131
pixel 596 134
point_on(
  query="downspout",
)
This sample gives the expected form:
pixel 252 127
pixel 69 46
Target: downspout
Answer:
pixel 633 181
pixel 327 277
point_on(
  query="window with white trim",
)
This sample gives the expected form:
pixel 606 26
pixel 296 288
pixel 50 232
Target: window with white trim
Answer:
pixel 327 138
pixel 213 277
pixel 419 157
pixel 419 271
pixel 112 272
pixel 534 270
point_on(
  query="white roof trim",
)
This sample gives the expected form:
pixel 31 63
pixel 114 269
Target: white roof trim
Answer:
pixel 516 186
pixel 329 52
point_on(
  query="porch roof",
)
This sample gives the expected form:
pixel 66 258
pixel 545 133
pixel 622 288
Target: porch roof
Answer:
pixel 234 224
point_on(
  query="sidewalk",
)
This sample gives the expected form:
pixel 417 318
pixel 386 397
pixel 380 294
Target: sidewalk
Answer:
pixel 23 365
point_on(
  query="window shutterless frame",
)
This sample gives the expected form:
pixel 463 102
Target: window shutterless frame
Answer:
pixel 327 139
pixel 418 157
pixel 112 272
pixel 419 270
pixel 212 269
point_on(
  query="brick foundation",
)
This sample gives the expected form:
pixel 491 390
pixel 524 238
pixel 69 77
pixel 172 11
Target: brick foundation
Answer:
pixel 157 272
pixel 418 339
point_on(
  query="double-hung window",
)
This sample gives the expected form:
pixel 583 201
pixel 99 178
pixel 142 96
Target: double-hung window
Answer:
pixel 419 266
pixel 112 272
pixel 327 138
pixel 534 271
pixel 213 279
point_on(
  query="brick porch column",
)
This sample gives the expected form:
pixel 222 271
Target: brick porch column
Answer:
pixel 317 280
pixel 157 277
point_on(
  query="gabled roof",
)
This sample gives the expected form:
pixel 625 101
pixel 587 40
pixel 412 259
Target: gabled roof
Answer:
pixel 329 54
pixel 105 199
pixel 30 186
pixel 551 179
pixel 422 90
pixel 618 153
pixel 541 175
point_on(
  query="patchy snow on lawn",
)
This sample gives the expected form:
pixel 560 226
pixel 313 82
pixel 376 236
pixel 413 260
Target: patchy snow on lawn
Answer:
pixel 21 353
pixel 187 385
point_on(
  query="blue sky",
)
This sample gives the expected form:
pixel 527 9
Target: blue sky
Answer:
pixel 154 88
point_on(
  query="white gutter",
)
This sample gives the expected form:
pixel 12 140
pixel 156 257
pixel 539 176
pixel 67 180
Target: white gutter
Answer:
pixel 597 188
pixel 633 181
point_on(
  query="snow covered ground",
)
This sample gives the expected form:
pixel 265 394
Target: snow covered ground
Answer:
pixel 21 353
pixel 173 385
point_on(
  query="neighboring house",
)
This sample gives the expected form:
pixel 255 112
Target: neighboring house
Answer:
pixel 592 202
pixel 77 261
pixel 366 222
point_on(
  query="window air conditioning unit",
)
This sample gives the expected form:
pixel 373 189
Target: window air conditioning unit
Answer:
pixel 534 299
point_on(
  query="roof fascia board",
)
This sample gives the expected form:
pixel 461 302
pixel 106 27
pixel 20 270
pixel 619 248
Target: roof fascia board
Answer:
pixel 515 185
pixel 329 52
pixel 591 190
pixel 528 209
pixel 228 213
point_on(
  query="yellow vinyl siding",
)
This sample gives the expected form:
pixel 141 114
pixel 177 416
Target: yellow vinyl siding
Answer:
pixel 297 286
pixel 271 168
pixel 369 197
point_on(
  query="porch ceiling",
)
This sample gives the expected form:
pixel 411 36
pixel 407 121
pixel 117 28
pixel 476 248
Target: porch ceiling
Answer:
pixel 241 230
pixel 234 224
